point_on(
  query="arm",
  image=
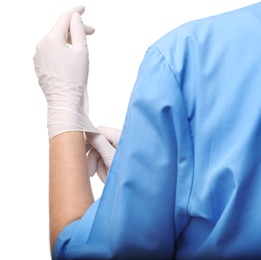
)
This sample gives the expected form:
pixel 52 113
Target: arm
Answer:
pixel 62 74
pixel 70 189
pixel 64 86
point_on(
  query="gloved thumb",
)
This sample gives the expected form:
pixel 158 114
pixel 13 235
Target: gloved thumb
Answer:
pixel 112 134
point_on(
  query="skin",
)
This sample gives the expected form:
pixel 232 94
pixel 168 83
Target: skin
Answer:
pixel 70 189
pixel 70 192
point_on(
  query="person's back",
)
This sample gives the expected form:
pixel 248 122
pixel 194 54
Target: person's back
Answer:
pixel 217 64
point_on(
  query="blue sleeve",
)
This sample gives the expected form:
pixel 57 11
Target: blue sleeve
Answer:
pixel 142 209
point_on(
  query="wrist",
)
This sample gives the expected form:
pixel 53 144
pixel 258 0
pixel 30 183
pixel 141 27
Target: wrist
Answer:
pixel 66 119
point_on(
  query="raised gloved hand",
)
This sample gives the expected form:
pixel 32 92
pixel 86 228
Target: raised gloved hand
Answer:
pixel 101 154
pixel 62 72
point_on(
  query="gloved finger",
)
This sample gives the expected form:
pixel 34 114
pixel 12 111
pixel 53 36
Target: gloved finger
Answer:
pixel 61 28
pixel 92 160
pixel 103 147
pixel 77 31
pixel 112 134
pixel 88 31
pixel 102 171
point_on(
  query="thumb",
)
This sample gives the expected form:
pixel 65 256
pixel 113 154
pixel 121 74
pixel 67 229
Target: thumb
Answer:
pixel 112 134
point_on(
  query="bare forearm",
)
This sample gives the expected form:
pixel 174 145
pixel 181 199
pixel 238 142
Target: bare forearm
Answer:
pixel 70 189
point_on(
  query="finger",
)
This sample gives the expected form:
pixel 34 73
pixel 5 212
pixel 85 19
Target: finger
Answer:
pixel 61 28
pixel 103 147
pixel 112 134
pixel 92 160
pixel 88 29
pixel 101 171
pixel 77 31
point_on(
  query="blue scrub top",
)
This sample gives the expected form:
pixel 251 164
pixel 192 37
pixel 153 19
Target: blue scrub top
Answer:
pixel 185 182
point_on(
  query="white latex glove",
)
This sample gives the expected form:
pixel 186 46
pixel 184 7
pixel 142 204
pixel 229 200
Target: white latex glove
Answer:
pixel 62 73
pixel 100 156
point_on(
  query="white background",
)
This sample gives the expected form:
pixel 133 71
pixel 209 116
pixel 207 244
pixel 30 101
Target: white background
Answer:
pixel 124 30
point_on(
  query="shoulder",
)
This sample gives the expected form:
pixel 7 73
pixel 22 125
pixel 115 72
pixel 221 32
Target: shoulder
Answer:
pixel 233 20
pixel 198 39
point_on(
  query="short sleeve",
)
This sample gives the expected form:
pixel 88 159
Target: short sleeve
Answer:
pixel 142 209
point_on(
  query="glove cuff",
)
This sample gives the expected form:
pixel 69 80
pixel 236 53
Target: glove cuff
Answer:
pixel 61 119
